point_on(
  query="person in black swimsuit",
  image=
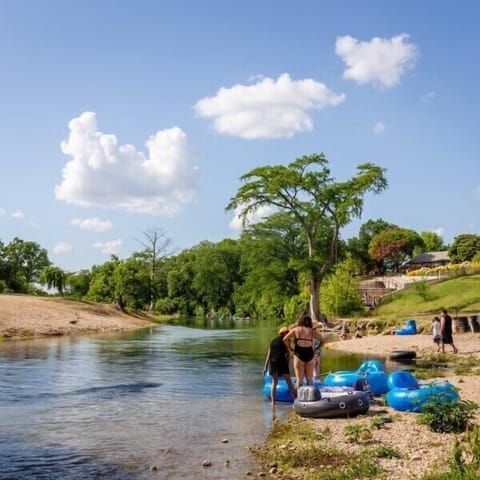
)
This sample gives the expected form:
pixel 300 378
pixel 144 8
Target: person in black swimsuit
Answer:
pixel 303 336
pixel 278 360
pixel 446 331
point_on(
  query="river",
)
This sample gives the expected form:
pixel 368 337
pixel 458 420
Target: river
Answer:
pixel 155 403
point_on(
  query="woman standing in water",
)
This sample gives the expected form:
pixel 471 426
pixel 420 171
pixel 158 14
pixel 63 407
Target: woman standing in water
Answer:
pixel 278 360
pixel 302 337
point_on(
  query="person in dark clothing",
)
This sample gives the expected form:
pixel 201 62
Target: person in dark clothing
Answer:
pixel 277 361
pixel 302 337
pixel 446 331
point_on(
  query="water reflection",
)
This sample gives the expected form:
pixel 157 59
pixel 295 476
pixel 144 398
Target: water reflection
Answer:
pixel 151 403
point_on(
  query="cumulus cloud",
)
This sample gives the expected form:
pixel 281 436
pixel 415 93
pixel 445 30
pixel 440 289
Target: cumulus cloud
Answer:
pixel 17 214
pixel 111 247
pixel 260 214
pixel 94 224
pixel 381 61
pixel 2 211
pixel 268 108
pixel 102 173
pixel 379 128
pixel 440 231
pixel 62 247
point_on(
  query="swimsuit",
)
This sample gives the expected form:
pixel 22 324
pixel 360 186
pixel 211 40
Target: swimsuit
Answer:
pixel 305 354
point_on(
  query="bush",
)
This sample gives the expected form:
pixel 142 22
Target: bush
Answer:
pixel 445 416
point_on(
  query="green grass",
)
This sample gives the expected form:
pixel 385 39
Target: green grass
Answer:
pixel 459 295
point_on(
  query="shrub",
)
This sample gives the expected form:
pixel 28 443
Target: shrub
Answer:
pixel 444 416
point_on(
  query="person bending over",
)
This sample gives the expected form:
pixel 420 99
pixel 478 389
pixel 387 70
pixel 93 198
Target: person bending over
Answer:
pixel 278 360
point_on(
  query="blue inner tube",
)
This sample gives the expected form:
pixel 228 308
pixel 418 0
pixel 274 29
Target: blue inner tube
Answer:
pixel 407 394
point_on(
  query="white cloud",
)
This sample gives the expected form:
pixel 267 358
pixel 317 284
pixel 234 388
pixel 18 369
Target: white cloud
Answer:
pixel 381 61
pixel 428 97
pixel 111 247
pixel 94 224
pixel 260 214
pixel 62 247
pixel 17 214
pixel 104 174
pixel 267 109
pixel 2 211
pixel 379 128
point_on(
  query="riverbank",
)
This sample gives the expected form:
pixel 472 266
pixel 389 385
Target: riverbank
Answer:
pixel 408 449
pixel 27 316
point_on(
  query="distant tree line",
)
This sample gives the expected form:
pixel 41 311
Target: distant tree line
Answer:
pixel 291 260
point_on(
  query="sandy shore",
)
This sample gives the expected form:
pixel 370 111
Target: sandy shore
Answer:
pixel 467 344
pixel 23 316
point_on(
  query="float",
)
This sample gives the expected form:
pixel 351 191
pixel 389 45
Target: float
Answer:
pixel 282 393
pixel 370 370
pixel 331 402
pixel 410 328
pixel 408 395
pixel 402 355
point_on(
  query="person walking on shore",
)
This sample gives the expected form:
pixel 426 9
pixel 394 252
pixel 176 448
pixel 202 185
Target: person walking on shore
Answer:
pixel 446 331
pixel 436 335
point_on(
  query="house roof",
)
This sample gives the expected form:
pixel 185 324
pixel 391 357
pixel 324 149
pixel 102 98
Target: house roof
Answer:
pixel 429 257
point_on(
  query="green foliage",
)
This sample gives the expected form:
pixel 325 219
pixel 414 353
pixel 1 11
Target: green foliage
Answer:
pixel 306 192
pixel 443 415
pixel 423 290
pixel 432 242
pixel 78 283
pixel 53 277
pixel 357 432
pixel 340 293
pixel 358 247
pixel 465 461
pixel 461 293
pixel 3 286
pixel 464 247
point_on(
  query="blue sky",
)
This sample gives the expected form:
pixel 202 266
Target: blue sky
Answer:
pixel 121 116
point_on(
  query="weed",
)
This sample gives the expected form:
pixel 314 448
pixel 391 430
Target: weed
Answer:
pixel 358 432
pixel 443 415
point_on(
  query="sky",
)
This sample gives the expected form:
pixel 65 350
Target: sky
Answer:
pixel 121 116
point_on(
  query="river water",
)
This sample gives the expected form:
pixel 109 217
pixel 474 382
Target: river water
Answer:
pixel 152 404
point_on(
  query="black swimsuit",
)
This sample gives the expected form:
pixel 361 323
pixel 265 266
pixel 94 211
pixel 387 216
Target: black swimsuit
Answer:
pixel 305 354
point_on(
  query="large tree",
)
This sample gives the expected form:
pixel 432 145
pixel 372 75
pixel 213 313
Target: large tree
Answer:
pixel 394 246
pixel 306 191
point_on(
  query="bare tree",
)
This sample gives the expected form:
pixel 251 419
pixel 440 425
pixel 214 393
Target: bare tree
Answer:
pixel 156 245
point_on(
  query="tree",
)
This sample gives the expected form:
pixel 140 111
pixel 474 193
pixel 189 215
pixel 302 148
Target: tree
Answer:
pixel 432 242
pixel 340 292
pixel 156 246
pixel 53 277
pixel 306 192
pixel 464 247
pixel 78 283
pixel 358 247
pixel 23 261
pixel 270 277
pixel 394 246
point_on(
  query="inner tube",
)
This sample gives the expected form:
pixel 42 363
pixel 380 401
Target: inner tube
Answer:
pixel 403 355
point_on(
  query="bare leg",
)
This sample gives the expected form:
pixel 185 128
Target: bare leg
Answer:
pixel 299 368
pixel 291 388
pixel 309 369
pixel 273 388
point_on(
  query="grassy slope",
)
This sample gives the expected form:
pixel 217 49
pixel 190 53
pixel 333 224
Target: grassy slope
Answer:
pixel 460 296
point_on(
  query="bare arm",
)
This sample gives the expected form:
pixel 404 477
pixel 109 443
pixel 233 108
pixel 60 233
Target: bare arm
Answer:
pixel 267 361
